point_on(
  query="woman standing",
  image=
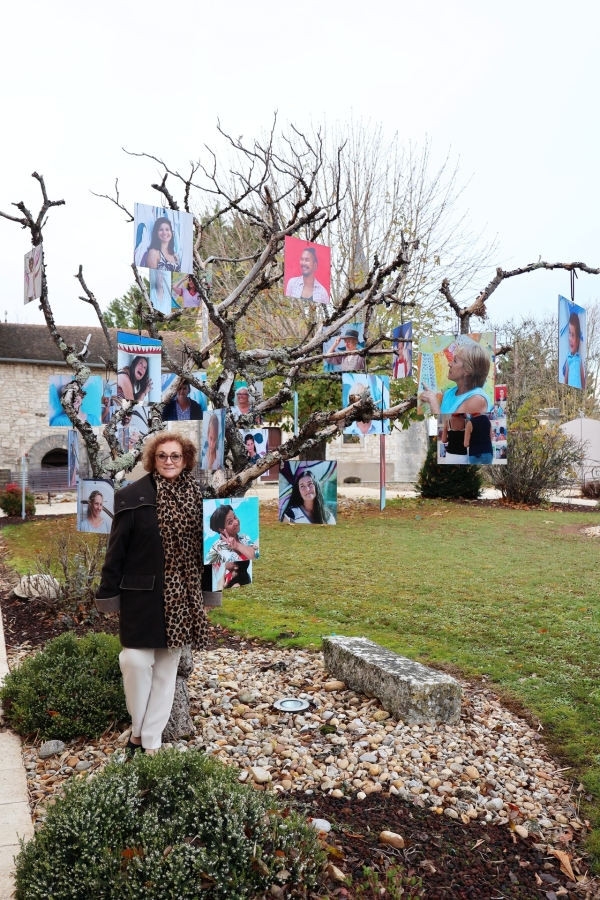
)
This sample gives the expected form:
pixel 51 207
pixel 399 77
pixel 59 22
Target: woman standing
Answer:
pixel 152 573
pixel 306 505
pixel 161 253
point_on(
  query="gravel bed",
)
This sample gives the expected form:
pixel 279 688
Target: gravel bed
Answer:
pixel 492 766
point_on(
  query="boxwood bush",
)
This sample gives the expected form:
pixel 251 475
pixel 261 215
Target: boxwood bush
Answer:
pixel 173 825
pixel 72 687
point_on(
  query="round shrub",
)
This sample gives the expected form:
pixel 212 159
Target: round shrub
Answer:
pixel 11 501
pixel 177 824
pixel 72 687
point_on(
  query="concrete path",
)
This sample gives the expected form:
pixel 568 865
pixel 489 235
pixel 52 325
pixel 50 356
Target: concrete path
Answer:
pixel 15 817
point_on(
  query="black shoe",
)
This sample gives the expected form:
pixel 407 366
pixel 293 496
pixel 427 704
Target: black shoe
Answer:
pixel 131 747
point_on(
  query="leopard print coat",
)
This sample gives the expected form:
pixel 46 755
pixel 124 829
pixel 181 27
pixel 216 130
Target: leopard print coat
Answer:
pixel 179 513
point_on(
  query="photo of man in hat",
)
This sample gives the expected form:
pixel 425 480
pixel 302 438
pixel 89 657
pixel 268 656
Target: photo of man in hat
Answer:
pixel 350 361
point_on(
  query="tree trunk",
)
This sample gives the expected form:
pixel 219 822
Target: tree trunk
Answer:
pixel 315 453
pixel 180 722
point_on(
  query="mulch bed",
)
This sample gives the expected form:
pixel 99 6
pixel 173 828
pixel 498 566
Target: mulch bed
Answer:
pixel 462 862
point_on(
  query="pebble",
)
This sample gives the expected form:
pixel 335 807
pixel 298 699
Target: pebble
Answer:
pixel 321 824
pixel 391 838
pixel 489 759
pixel 50 748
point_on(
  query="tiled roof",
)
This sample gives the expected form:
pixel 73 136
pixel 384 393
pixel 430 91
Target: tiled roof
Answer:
pixel 34 342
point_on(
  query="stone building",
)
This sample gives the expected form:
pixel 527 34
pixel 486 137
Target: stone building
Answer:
pixel 28 357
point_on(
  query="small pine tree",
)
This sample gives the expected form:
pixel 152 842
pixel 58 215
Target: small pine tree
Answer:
pixel 446 482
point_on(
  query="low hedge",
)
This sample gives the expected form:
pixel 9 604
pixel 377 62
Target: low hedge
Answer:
pixel 72 687
pixel 174 825
pixel 11 500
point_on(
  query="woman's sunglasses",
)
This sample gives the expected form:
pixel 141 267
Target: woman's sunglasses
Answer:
pixel 163 457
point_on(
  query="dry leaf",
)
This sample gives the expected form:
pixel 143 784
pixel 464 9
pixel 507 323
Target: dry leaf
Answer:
pixel 565 863
pixel 478 844
pixel 538 880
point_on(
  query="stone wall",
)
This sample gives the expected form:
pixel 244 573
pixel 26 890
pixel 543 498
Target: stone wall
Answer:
pixel 404 455
pixel 24 414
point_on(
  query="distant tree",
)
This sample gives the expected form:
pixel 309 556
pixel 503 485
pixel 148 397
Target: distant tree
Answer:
pixel 123 312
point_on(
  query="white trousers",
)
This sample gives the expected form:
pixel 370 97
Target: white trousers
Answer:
pixel 149 682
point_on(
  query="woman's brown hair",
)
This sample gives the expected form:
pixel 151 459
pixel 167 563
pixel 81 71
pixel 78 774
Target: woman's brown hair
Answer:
pixel 188 449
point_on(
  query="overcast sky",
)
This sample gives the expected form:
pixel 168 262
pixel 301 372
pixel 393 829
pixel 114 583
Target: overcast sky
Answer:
pixel 510 89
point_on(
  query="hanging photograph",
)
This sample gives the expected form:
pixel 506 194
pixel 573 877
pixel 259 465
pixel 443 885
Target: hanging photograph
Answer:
pixel 163 239
pixel 256 442
pixel 340 351
pixel 95 505
pixel 231 540
pixel 133 427
pixel 572 337
pixel 308 493
pixel 244 398
pixel 138 363
pixel 184 293
pixel 213 440
pixel 189 403
pixel 32 274
pixel 88 408
pixel 160 290
pixel 73 456
pixel 402 351
pixel 456 374
pixel 307 270
pixel 475 439
pixel 354 388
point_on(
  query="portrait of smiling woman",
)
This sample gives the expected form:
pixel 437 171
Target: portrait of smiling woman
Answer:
pixel 153 575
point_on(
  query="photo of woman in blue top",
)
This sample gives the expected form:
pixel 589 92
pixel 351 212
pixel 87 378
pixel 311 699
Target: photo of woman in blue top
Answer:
pixel 469 368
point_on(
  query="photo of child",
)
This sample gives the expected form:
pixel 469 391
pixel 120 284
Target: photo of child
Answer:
pixel 231 540
pixel 402 351
pixel 571 343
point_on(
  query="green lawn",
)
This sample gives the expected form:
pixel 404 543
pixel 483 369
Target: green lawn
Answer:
pixel 512 594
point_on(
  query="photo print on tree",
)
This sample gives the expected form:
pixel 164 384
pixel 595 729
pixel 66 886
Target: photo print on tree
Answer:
pixel 73 456
pixel 231 540
pixel 244 398
pixel 256 442
pixel 32 274
pixel 89 408
pixel 456 373
pixel 572 343
pixel 341 350
pixel 163 239
pixel 478 439
pixel 354 388
pixel 133 427
pixel 308 492
pixel 213 440
pixel 138 365
pixel 402 346
pixel 160 291
pixel 95 505
pixel 307 270
pixel 184 294
pixel 189 403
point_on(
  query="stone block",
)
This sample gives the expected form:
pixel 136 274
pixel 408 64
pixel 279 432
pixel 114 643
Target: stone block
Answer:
pixel 410 691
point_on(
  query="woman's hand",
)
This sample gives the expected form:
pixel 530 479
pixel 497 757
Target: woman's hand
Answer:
pixel 430 397
pixel 147 391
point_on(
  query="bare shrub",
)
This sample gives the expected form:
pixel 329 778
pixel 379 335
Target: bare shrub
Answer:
pixel 590 490
pixel 77 565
